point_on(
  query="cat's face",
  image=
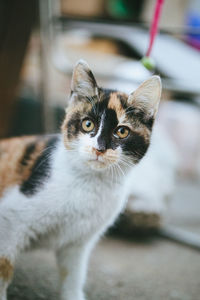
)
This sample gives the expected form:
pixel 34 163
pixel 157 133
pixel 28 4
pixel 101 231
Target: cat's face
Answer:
pixel 105 127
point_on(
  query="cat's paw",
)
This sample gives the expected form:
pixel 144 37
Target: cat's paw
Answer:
pixel 3 297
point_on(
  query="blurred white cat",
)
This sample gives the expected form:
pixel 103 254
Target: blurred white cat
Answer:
pixel 151 183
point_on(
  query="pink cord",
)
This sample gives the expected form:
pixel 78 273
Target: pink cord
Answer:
pixel 154 25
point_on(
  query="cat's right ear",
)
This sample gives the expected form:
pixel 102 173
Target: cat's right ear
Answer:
pixel 83 81
pixel 146 97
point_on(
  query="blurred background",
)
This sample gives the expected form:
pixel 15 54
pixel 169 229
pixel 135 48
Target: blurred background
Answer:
pixel 153 250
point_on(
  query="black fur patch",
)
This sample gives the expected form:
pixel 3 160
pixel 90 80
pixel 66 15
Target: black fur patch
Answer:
pixel 105 140
pixel 123 101
pixel 135 146
pixel 40 170
pixel 99 105
pixel 29 150
pixel 132 114
pixel 73 125
pixel 143 118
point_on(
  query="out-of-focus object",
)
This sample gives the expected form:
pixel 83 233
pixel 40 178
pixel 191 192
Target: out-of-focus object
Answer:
pixel 193 20
pixel 124 9
pixel 115 9
pixel 181 236
pixel 172 10
pixel 182 122
pixel 16 21
pixel 85 8
pixel 147 61
pixel 79 43
pixel 181 74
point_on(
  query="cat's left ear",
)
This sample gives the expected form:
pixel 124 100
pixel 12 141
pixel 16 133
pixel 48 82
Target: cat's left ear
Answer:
pixel 147 96
pixel 83 81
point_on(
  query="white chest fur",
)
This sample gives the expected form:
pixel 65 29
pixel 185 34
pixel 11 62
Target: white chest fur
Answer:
pixel 73 204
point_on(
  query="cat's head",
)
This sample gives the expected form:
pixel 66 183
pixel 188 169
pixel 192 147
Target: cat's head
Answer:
pixel 107 127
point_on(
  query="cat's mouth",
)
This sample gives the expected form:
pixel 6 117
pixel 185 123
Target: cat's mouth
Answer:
pixel 97 163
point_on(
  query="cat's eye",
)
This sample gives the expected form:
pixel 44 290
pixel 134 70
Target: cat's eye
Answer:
pixel 87 125
pixel 122 132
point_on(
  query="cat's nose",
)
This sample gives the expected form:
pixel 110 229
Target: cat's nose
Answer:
pixel 99 151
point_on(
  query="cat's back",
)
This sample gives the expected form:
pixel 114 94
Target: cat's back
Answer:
pixel 20 157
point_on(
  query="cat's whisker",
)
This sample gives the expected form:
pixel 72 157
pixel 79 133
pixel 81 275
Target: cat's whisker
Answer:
pixel 116 171
pixel 43 161
pixel 121 169
pixel 127 165
pixel 114 174
pixel 138 154
pixel 124 163
pixel 128 162
pixel 111 171
pixel 113 177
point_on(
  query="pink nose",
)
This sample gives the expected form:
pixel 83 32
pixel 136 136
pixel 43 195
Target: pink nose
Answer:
pixel 99 151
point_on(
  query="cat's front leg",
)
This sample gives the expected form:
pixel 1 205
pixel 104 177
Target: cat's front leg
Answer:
pixel 72 263
pixel 6 272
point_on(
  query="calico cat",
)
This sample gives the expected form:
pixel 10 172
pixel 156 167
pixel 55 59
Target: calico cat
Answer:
pixel 63 191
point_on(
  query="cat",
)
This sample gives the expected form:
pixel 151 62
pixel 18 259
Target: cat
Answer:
pixel 64 191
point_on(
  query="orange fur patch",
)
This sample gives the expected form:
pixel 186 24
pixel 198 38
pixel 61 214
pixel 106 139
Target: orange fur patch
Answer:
pixel 137 126
pixel 12 151
pixel 115 104
pixel 6 269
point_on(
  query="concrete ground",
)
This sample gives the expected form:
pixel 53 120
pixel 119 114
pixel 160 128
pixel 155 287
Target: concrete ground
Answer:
pixel 151 268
